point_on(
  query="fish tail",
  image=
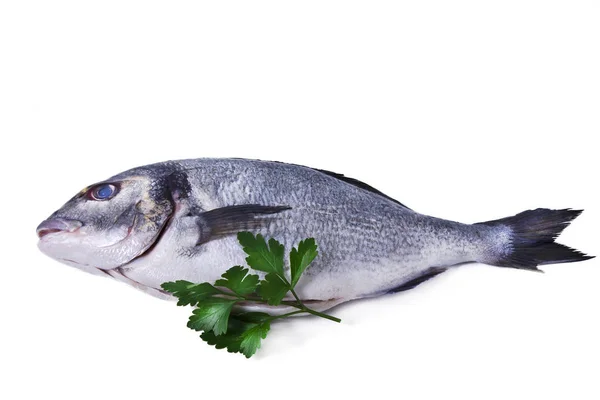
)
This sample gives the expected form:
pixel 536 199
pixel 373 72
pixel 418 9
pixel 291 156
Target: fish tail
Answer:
pixel 526 240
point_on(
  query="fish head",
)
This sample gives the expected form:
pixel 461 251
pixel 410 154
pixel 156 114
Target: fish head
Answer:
pixel 108 224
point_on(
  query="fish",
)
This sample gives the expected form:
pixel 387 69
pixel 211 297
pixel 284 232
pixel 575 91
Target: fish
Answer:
pixel 178 220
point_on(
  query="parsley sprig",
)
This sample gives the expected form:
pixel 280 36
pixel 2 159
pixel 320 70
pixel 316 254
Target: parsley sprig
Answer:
pixel 226 327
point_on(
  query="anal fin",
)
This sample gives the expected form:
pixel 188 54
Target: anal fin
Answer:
pixel 428 274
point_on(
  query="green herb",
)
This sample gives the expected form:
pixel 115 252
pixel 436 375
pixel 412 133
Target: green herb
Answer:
pixel 224 326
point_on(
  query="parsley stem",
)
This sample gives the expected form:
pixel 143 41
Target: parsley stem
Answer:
pixel 322 315
pixel 285 315
pixel 294 294
pixel 230 294
pixel 301 306
pixel 306 309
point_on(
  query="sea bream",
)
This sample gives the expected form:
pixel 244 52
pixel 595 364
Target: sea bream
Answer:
pixel 178 220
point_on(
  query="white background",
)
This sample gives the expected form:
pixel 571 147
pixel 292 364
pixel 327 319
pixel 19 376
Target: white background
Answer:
pixel 469 111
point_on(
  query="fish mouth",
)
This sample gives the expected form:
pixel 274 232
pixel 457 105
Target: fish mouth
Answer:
pixel 53 226
pixel 45 232
pixel 57 225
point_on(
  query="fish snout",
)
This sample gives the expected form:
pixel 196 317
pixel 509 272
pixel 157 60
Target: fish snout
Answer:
pixel 54 225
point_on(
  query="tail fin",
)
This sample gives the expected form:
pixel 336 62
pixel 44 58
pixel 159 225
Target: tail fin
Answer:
pixel 531 239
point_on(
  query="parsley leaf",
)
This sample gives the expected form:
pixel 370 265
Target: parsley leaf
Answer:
pixel 254 317
pixel 188 292
pixel 242 332
pixel 238 281
pixel 230 340
pixel 273 289
pixel 251 338
pixel 241 337
pixel 301 258
pixel 260 256
pixel 212 315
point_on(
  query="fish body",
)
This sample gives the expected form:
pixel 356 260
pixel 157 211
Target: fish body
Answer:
pixel 178 220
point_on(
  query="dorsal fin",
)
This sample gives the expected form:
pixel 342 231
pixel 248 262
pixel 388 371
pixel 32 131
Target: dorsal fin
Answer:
pixel 359 184
pixel 343 178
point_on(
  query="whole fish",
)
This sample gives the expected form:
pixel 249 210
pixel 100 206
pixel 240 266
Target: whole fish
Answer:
pixel 179 219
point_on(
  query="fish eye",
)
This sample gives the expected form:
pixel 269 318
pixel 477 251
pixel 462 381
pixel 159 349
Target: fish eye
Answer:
pixel 102 192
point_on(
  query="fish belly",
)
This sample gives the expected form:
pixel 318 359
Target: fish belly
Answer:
pixel 357 258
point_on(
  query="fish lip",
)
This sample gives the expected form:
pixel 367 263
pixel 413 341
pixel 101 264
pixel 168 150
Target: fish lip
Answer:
pixel 53 226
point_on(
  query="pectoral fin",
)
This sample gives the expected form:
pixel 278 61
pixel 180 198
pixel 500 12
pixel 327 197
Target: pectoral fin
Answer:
pixel 233 219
